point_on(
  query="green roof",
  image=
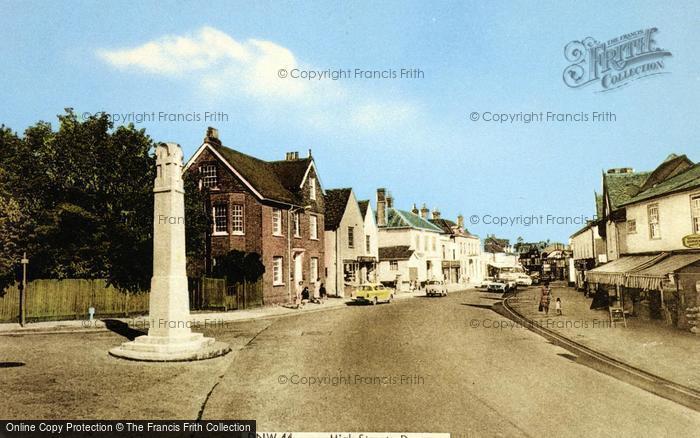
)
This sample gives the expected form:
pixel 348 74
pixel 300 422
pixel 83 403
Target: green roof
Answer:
pixel 623 186
pixel 406 219
pixel 687 180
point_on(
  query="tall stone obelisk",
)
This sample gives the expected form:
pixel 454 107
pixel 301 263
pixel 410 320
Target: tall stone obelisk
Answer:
pixel 170 337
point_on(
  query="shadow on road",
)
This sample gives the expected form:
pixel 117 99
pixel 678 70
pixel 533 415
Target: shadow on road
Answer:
pixel 122 328
pixel 11 364
pixel 480 306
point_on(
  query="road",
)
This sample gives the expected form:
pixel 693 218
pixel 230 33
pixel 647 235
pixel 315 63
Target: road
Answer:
pixel 423 364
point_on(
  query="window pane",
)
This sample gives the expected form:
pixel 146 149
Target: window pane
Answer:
pixel 209 177
pixel 220 219
pixel 237 218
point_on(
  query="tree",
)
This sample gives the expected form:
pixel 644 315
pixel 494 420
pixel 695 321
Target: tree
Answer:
pixel 196 225
pixel 239 267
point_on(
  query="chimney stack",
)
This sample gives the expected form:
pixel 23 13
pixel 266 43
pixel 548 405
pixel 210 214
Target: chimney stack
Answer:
pixel 381 207
pixel 212 136
pixel 460 222
pixel 436 213
pixel 424 212
pixel 414 210
pixel 291 156
pixel 389 201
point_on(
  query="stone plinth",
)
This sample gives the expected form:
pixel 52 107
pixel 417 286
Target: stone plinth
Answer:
pixel 169 335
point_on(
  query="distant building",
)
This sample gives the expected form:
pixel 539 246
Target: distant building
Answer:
pixel 460 249
pixel 402 233
pixel 273 208
pixel 351 242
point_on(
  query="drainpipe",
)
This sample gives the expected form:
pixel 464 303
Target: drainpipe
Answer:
pixel 290 286
pixel 337 258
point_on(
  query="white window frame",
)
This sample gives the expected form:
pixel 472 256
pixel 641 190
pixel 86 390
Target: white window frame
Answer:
pixel 209 175
pixel 393 265
pixel 312 188
pixel 278 271
pixel 368 243
pixel 351 237
pixel 313 227
pixel 216 214
pixel 631 226
pixel 654 221
pixel 276 221
pixel 296 221
pixel 695 213
pixel 313 270
pixel 237 219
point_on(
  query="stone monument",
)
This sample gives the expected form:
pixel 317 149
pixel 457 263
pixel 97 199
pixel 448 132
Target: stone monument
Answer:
pixel 170 337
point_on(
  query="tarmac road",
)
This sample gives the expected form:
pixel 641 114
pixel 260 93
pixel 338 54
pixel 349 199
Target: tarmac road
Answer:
pixel 432 365
pixel 444 364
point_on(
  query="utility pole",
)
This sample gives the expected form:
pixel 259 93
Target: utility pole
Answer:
pixel 23 291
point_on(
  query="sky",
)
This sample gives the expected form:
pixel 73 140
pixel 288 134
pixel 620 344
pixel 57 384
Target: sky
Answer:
pixel 223 61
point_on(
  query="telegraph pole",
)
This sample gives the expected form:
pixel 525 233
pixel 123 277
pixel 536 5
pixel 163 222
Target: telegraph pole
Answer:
pixel 23 291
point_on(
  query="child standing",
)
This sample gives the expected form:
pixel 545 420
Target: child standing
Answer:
pixel 557 306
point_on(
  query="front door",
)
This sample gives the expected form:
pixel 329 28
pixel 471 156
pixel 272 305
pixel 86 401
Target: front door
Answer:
pixel 298 271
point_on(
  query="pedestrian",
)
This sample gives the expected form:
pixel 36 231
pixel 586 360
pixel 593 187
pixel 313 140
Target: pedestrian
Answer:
pixel 557 306
pixel 545 298
pixel 322 291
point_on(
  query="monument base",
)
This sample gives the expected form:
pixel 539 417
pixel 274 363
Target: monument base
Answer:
pixel 169 349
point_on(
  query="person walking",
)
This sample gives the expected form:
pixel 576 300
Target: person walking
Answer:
pixel 557 306
pixel 545 299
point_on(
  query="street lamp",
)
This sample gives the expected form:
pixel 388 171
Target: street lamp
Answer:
pixel 23 291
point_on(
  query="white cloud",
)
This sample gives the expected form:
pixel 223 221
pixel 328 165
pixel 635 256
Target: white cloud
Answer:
pixel 221 66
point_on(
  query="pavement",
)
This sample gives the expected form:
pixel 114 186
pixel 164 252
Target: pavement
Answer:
pixel 443 364
pixel 648 345
pixel 198 319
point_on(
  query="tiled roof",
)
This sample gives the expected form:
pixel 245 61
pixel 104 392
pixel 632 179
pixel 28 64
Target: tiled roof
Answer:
pixel 276 180
pixel 406 219
pixel 336 201
pixel 598 206
pixel 445 224
pixel 395 253
pixel 363 207
pixel 623 186
pixel 291 172
pixel 687 180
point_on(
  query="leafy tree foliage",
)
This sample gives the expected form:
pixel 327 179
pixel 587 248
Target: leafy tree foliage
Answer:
pixel 79 200
pixel 239 266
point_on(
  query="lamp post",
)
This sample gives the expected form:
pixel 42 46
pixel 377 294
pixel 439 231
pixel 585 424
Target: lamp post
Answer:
pixel 23 291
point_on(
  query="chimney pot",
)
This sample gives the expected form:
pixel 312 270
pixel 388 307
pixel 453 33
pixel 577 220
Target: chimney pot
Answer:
pixel 212 135
pixel 381 207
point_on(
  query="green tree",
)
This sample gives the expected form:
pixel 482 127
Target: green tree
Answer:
pixel 239 267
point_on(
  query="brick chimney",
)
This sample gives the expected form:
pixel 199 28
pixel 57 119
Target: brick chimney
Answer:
pixel 460 222
pixel 381 207
pixel 212 136
pixel 436 213
pixel 389 201
pixel 291 156
pixel 424 212
pixel 414 210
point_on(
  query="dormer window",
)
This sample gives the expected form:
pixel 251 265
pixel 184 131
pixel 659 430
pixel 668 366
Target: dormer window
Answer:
pixel 312 188
pixel 209 175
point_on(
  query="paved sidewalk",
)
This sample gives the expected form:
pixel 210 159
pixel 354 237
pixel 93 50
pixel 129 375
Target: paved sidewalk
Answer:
pixel 198 318
pixel 648 345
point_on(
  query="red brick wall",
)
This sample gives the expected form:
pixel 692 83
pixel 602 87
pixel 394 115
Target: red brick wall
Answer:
pixel 258 230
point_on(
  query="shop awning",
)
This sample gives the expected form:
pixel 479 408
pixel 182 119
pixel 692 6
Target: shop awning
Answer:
pixel 652 276
pixel 615 272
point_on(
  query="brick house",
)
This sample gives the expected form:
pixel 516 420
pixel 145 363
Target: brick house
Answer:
pixel 273 208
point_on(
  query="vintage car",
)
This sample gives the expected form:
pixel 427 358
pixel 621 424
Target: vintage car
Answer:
pixel 502 286
pixel 523 280
pixel 435 288
pixel 373 293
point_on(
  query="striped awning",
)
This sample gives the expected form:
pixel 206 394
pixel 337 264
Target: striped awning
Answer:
pixel 617 271
pixel 651 277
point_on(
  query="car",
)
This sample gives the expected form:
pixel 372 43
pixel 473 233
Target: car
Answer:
pixel 535 277
pixel 484 284
pixel 523 280
pixel 435 288
pixel 502 286
pixel 373 293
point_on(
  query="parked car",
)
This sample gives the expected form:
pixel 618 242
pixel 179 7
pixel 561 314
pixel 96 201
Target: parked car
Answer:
pixel 435 288
pixel 523 280
pixel 485 283
pixel 373 293
pixel 502 286
pixel 535 277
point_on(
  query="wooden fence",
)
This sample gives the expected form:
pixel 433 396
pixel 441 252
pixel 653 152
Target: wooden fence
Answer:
pixel 70 299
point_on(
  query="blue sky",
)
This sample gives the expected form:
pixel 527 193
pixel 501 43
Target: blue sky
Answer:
pixel 412 136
